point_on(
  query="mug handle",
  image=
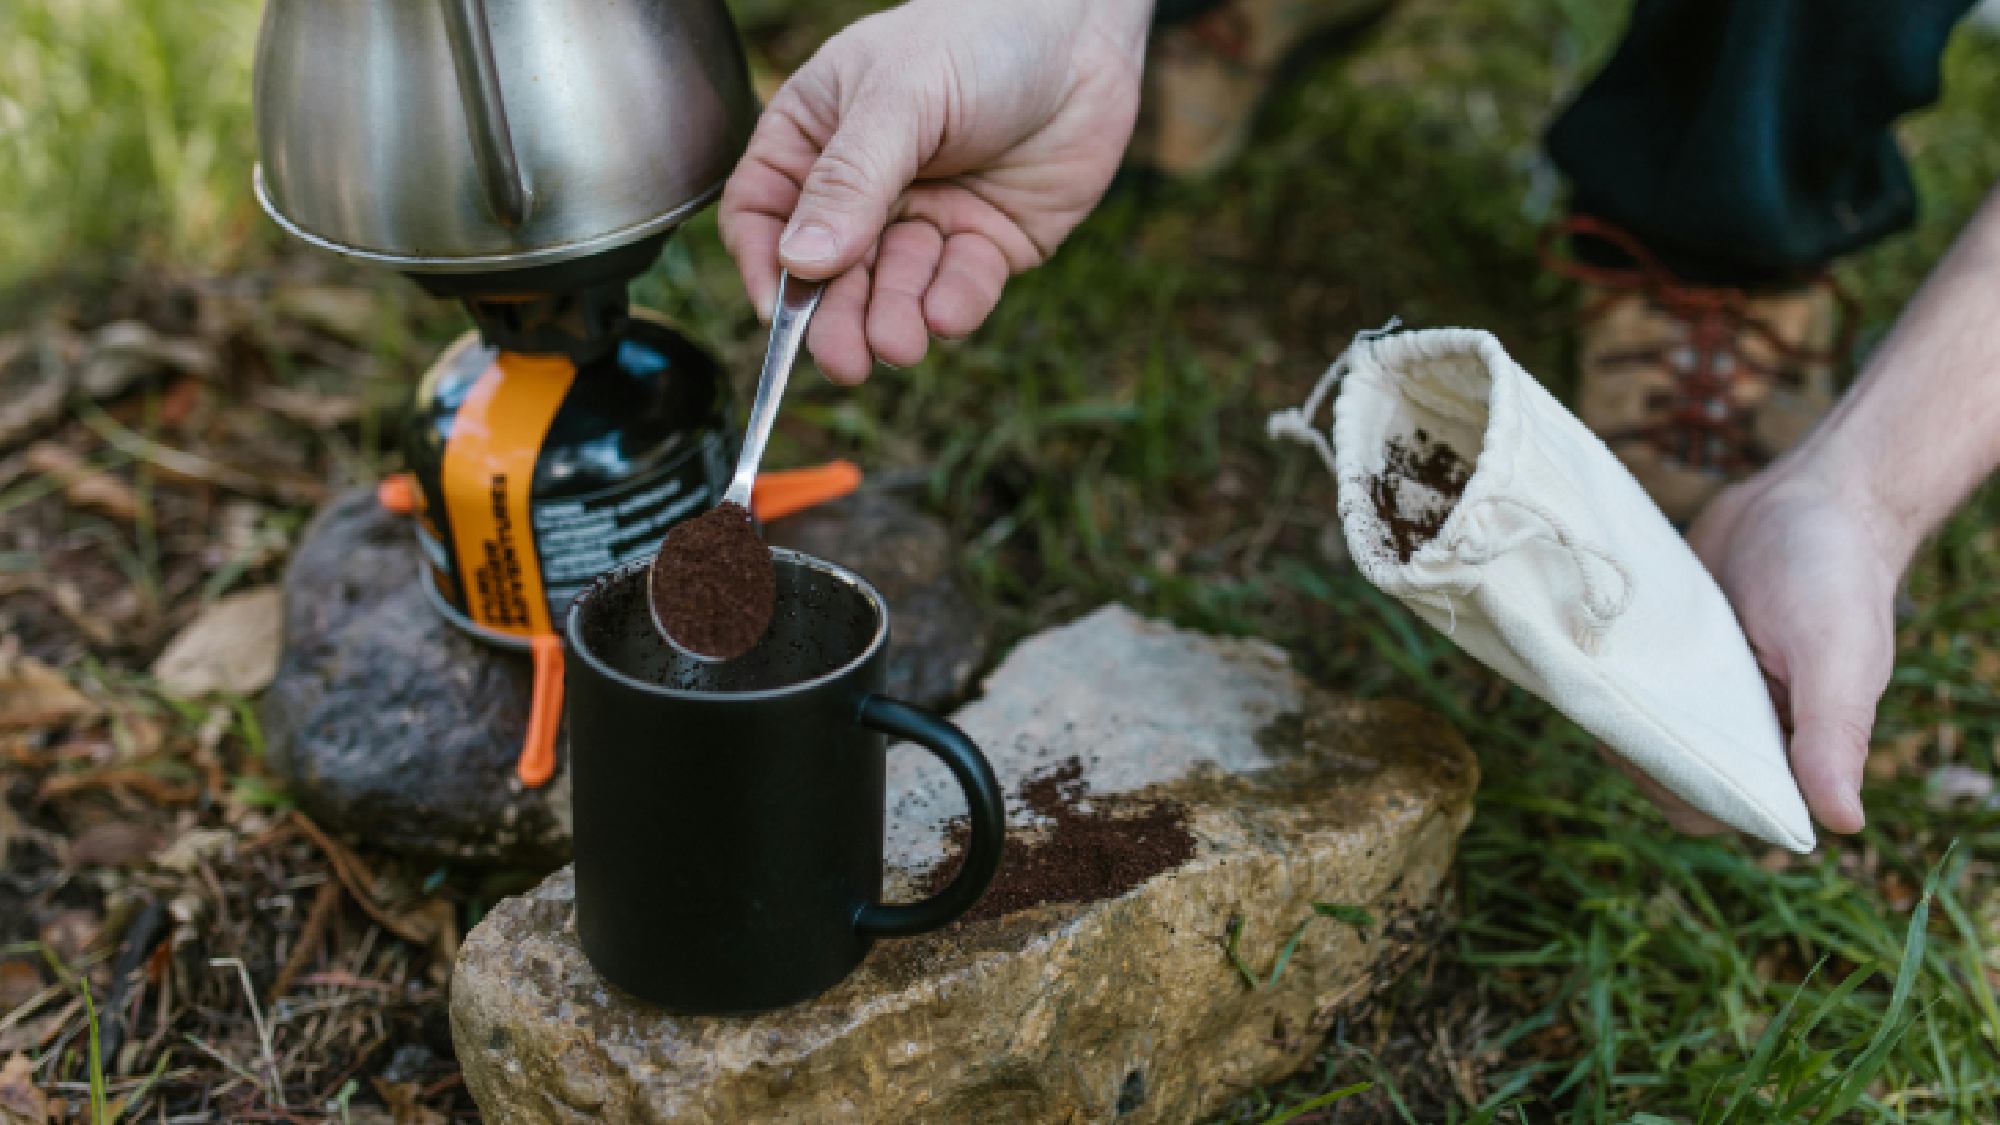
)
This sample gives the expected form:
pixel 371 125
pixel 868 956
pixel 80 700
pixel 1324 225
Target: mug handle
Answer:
pixel 982 800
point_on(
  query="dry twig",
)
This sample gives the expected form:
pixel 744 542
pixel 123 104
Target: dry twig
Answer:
pixel 263 1028
pixel 310 937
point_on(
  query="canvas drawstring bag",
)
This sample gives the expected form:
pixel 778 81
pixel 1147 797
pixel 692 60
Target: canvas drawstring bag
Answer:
pixel 1468 493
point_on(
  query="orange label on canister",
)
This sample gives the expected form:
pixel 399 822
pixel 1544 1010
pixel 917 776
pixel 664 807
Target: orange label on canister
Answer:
pixel 487 474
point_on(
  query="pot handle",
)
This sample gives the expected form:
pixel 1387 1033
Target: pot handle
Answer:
pixel 486 112
pixel 982 800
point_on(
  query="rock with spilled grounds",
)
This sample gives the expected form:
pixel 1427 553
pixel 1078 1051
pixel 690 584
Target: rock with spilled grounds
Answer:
pixel 1127 1008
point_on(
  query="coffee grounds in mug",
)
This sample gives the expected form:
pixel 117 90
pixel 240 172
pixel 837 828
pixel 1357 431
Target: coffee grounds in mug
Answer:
pixel 713 587
pixel 1407 521
pixel 1095 848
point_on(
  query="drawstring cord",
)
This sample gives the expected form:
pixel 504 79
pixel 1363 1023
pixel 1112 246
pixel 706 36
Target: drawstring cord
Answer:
pixel 1599 608
pixel 1296 423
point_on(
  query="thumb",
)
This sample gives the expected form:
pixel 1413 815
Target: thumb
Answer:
pixel 1833 697
pixel 871 158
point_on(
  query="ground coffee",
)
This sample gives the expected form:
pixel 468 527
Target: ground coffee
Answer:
pixel 1095 848
pixel 713 589
pixel 1411 517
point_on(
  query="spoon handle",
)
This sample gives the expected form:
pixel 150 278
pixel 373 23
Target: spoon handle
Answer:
pixel 796 301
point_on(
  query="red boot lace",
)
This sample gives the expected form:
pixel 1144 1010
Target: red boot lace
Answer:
pixel 1224 31
pixel 1704 423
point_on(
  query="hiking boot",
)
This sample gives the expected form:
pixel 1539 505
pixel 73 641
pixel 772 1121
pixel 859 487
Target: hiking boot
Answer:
pixel 1697 387
pixel 1206 76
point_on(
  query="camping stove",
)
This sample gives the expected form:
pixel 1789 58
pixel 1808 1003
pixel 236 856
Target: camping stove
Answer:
pixel 528 158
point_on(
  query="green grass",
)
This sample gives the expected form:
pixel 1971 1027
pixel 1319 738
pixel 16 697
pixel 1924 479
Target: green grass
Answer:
pixel 124 134
pixel 1620 972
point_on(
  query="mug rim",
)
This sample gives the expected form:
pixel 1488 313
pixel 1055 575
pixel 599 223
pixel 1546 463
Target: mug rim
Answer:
pixel 577 649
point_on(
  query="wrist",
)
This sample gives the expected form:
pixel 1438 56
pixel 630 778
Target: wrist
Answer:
pixel 1920 428
pixel 1845 464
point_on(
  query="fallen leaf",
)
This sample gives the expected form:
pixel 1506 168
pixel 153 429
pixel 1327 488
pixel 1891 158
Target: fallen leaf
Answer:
pixel 71 932
pixel 191 848
pixel 34 695
pixel 21 1101
pixel 83 484
pixel 344 312
pixel 37 1032
pixel 33 386
pixel 126 351
pixel 182 398
pixel 1899 755
pixel 246 538
pixel 20 982
pixel 68 600
pixel 136 779
pixel 309 408
pixel 1986 666
pixel 136 734
pixel 231 647
pixel 401 1098
pixel 114 843
pixel 1954 785
pixel 1777 860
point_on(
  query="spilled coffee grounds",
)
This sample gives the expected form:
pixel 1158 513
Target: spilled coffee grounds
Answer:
pixel 713 587
pixel 1095 848
pixel 1408 520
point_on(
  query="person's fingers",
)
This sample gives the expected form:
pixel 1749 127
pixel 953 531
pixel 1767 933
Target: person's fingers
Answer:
pixel 903 272
pixel 761 193
pixel 838 336
pixel 1832 691
pixel 845 201
pixel 970 275
pixel 1684 817
pixel 754 245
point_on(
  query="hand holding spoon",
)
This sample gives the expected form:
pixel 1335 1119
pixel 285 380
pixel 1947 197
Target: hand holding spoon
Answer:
pixel 711 589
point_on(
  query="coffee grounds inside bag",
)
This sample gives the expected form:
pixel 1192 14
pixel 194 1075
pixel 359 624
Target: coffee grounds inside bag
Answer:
pixel 713 586
pixel 1420 483
pixel 1095 848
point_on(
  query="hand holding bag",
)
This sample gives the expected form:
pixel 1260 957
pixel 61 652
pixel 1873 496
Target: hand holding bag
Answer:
pixel 1548 563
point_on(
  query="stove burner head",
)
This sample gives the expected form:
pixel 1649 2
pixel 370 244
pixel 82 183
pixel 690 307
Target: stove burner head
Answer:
pixel 577 308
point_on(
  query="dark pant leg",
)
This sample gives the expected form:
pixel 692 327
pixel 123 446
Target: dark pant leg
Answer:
pixel 1748 141
pixel 1167 13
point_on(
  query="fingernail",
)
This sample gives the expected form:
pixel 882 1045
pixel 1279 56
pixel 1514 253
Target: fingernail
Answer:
pixel 1852 800
pixel 1846 798
pixel 808 244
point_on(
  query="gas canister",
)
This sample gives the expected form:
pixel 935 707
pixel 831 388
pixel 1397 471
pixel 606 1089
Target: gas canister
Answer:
pixel 542 470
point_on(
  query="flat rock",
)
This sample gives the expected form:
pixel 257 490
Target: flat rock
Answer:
pixel 1129 1006
pixel 388 724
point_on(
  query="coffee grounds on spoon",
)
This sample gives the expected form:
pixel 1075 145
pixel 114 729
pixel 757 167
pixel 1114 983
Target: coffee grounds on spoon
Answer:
pixel 713 586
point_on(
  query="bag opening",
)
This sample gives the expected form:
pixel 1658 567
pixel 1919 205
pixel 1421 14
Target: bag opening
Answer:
pixel 1429 410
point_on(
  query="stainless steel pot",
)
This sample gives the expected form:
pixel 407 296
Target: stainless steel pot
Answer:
pixel 460 136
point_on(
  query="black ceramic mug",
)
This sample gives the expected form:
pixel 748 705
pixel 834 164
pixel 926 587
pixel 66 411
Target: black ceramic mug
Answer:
pixel 728 817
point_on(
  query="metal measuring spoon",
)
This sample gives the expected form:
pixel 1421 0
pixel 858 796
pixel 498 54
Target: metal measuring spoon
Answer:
pixel 797 299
